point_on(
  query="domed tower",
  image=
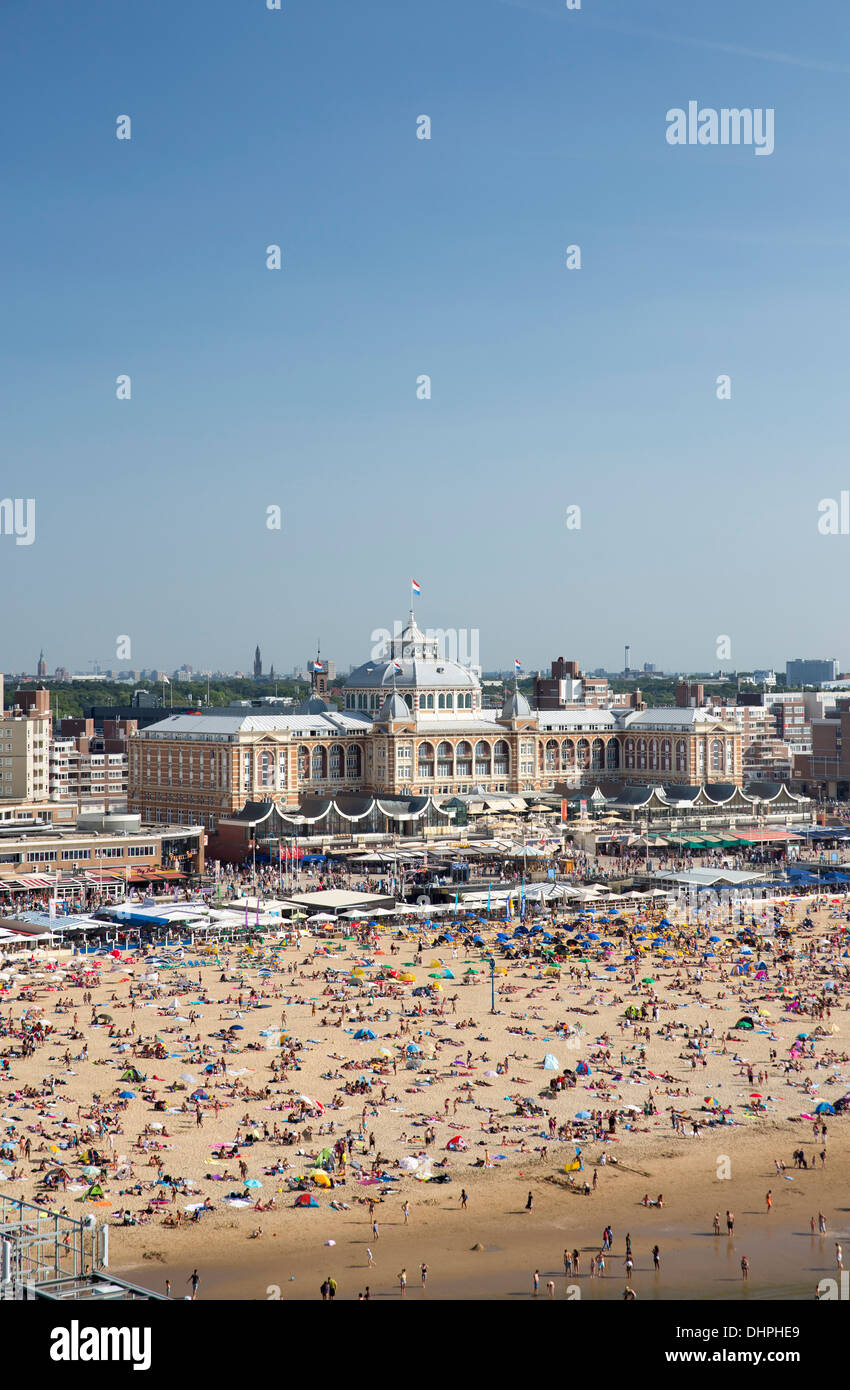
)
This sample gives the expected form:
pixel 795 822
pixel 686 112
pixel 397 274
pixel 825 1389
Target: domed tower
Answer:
pixel 410 664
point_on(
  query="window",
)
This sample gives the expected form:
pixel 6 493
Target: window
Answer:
pixel 335 760
pixel 41 856
pixel 463 759
pixel 681 755
pixel 482 759
pixel 303 762
pixel 319 764
pixel 501 758
pixel 425 760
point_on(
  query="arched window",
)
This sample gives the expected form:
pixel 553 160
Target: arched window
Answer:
pixel 501 758
pixel 441 701
pixel 597 755
pixel 281 767
pixel 630 753
pixel 653 754
pixel 266 778
pixel 568 755
pixel 463 759
pixel 303 762
pixel 425 760
pixel 666 755
pixel 467 700
pixel 319 763
pixel 716 755
pixel 336 760
pixel 681 755
pixel 612 755
pixel 583 753
pixel 445 760
pixel 482 759
pixel 450 702
pixel 352 761
pixel 429 701
pixel 552 755
pixel 641 753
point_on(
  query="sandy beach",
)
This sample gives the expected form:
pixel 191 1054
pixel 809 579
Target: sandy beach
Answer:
pixel 478 1079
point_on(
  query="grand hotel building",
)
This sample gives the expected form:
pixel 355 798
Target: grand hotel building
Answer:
pixel 412 736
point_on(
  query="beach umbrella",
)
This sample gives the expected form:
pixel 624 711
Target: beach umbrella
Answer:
pixel 127 1095
pixel 252 1182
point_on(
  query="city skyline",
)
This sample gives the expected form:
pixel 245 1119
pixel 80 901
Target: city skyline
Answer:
pixel 575 465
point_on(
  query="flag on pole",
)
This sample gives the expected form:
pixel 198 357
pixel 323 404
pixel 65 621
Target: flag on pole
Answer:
pixel 517 664
pixel 416 588
pixel 317 666
pixel 397 668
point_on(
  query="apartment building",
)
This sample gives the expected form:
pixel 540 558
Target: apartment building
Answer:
pixel 25 748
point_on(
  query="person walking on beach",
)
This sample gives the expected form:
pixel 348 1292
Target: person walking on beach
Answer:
pixel 839 1257
pixel 370 1257
pixel 331 1288
pixel 423 1270
pixel 730 1223
pixel 656 1257
pixel 406 1213
pixel 194 1279
pixel 375 1232
pixel 576 1260
pixel 402 1282
pixel 324 1290
pixel 530 1202
pixel 600 1265
pixel 568 1263
pixel 769 1199
pixel 821 1223
pixel 717 1223
pixel 464 1198
pixel 536 1282
pixel 745 1268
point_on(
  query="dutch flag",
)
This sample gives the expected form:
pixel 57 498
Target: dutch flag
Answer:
pixel 517 664
pixel 397 668
pixel 317 666
pixel 417 588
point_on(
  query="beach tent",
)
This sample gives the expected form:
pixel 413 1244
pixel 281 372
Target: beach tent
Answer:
pixel 305 1199
pixel 582 1069
pixel 550 1063
pixel 824 1108
pixel 131 1074
pixel 744 1023
pixel 94 1191
pixel 365 1033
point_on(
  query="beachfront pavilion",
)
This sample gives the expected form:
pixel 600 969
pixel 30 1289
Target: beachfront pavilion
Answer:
pixel 336 902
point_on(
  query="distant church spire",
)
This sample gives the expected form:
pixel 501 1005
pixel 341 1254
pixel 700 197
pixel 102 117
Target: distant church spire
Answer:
pixel 258 664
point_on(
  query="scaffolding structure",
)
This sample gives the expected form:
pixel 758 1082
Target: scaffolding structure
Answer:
pixel 50 1254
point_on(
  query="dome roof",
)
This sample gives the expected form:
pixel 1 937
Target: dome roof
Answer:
pixel 374 675
pixel 516 706
pixel 413 661
pixel 314 704
pixel 394 707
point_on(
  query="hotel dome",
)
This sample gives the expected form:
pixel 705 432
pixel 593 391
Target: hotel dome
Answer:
pixel 424 679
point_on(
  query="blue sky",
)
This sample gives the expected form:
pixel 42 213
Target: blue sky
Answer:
pixel 403 257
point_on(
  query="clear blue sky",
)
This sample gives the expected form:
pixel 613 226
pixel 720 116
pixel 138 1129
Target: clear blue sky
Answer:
pixel 402 257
